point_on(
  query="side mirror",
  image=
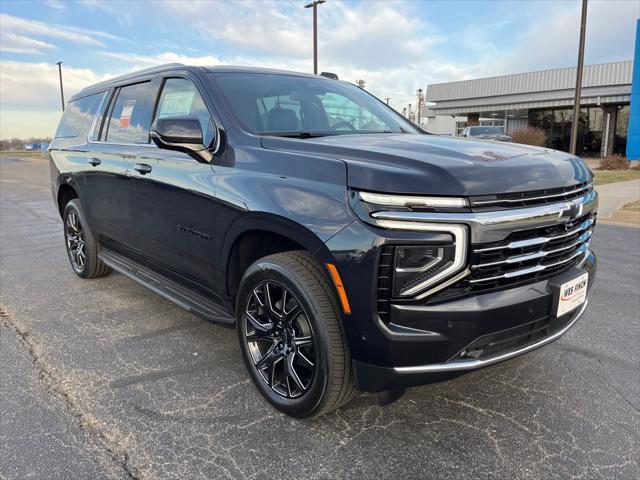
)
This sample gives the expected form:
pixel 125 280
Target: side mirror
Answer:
pixel 182 134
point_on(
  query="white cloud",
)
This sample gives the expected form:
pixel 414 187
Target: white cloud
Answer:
pixel 392 45
pixel 10 23
pixel 35 86
pixel 14 43
pixel 30 93
pixel 134 61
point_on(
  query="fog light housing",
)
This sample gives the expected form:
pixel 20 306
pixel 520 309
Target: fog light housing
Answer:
pixel 417 267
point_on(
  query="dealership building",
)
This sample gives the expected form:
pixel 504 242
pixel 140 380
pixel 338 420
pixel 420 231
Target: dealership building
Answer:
pixel 544 100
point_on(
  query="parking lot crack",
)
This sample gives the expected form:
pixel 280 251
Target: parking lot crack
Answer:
pixel 55 386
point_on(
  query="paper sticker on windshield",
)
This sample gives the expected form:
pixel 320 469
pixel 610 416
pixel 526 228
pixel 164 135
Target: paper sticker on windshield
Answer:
pixel 127 111
pixel 176 103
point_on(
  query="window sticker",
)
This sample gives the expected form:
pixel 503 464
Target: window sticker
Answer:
pixel 127 111
pixel 176 103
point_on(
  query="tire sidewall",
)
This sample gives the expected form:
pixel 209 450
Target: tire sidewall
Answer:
pixel 266 269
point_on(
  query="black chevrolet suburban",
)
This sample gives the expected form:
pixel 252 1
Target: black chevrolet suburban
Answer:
pixel 349 248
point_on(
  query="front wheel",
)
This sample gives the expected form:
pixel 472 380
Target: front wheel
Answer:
pixel 291 337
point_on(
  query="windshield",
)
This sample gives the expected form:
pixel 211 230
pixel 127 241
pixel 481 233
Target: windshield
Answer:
pixel 474 131
pixel 292 105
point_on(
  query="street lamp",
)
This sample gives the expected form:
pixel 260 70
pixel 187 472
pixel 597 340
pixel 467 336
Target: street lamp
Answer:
pixel 314 5
pixel 576 101
pixel 61 90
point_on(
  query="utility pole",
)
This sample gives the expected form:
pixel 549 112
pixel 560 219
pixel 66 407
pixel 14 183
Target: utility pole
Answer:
pixel 314 5
pixel 387 100
pixel 61 89
pixel 576 101
pixel 419 105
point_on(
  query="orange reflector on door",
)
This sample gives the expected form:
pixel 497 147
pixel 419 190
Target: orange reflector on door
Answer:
pixel 337 281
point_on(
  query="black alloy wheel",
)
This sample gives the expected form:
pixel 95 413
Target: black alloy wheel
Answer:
pixel 291 335
pixel 279 338
pixel 81 245
pixel 74 235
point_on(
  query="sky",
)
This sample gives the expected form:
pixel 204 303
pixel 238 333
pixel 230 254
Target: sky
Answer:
pixel 395 46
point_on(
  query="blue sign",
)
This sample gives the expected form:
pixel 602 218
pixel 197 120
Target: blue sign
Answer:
pixel 633 134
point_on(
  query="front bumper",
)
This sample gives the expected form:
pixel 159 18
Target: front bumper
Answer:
pixel 417 359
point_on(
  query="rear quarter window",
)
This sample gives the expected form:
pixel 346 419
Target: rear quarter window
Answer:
pixel 78 116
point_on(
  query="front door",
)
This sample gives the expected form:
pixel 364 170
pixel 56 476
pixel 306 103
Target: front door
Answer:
pixel 174 195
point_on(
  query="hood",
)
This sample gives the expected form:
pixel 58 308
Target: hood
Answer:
pixel 433 165
pixel 497 137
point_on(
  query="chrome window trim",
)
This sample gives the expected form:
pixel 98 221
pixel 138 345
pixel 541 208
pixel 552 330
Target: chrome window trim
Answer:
pixel 459 233
pixel 475 364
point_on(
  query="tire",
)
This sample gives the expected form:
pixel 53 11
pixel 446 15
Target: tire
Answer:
pixel 82 246
pixel 277 350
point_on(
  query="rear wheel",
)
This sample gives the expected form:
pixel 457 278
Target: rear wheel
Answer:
pixel 82 246
pixel 291 336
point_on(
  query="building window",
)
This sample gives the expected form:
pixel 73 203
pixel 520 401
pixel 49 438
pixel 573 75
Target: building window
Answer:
pixel 556 123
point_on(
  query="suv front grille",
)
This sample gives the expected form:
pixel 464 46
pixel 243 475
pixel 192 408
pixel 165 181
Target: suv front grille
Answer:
pixel 524 256
pixel 514 338
pixel 530 199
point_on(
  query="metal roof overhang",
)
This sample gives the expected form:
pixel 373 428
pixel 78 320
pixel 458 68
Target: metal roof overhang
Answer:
pixel 526 101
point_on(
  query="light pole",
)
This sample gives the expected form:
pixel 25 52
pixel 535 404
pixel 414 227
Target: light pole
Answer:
pixel 419 105
pixel 61 89
pixel 576 101
pixel 314 5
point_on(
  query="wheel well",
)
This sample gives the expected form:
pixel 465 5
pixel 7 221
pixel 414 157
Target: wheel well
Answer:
pixel 251 246
pixel 65 194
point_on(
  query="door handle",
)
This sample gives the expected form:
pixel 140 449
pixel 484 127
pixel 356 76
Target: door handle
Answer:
pixel 143 168
pixel 94 161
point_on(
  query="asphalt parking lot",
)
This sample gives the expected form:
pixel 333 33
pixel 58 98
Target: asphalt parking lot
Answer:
pixel 104 379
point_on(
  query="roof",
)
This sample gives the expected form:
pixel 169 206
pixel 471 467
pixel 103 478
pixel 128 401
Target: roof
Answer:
pixel 139 74
pixel 610 82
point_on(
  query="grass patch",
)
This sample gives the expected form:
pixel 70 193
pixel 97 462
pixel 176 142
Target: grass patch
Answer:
pixel 633 206
pixel 610 176
pixel 21 152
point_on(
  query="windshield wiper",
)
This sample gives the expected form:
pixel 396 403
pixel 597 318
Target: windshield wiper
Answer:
pixel 293 134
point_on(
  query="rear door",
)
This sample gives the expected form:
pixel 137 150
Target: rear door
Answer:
pixel 108 184
pixel 174 194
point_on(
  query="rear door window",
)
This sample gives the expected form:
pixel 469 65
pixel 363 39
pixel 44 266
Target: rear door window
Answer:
pixel 131 115
pixel 180 97
pixel 79 115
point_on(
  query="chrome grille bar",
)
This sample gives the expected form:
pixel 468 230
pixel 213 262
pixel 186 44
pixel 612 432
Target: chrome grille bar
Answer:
pixel 529 242
pixel 539 254
pixel 583 249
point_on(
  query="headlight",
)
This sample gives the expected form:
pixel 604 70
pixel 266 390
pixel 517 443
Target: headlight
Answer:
pixel 416 266
pixel 413 201
pixel 418 270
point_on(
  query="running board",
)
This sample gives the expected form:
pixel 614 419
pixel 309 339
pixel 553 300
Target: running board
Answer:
pixel 167 288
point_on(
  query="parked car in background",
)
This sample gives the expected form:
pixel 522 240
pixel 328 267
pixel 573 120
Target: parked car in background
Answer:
pixel 486 133
pixel 350 249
